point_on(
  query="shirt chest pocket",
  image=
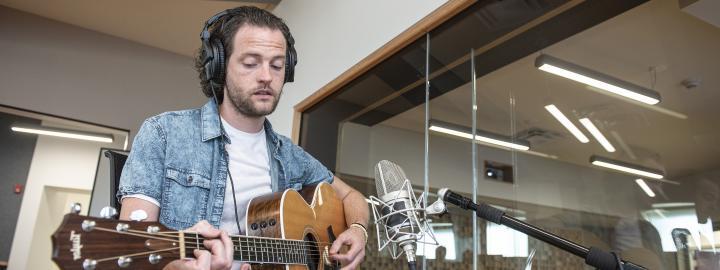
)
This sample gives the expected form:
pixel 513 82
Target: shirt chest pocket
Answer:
pixel 185 196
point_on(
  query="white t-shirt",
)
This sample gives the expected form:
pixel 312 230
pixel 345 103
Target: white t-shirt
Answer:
pixel 249 165
pixel 250 169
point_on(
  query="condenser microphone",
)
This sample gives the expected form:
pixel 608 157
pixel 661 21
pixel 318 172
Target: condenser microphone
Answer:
pixel 399 217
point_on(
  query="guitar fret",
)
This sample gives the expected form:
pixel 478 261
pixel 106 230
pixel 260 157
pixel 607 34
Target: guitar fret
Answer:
pixel 295 251
pixel 267 254
pixel 197 241
pixel 268 243
pixel 278 254
pixel 303 254
pixel 273 256
pixel 262 250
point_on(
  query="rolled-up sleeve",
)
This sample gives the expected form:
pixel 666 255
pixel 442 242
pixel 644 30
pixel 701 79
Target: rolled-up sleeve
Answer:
pixel 143 173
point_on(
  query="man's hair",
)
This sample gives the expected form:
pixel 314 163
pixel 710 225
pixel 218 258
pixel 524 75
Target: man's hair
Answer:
pixel 225 30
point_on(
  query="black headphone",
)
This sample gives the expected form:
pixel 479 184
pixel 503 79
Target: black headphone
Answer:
pixel 213 54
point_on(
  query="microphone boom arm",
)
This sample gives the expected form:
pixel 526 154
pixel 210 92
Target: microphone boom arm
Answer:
pixel 593 256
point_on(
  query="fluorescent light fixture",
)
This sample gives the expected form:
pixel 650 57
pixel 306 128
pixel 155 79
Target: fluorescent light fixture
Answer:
pixel 61 132
pixel 596 79
pixel 566 123
pixel 674 205
pixel 645 187
pixel 626 167
pixel 597 134
pixel 480 135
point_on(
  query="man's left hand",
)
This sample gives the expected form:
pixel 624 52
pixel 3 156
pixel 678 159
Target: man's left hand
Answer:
pixel 355 238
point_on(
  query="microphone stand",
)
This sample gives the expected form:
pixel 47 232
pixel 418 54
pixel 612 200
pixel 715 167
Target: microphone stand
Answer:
pixel 593 256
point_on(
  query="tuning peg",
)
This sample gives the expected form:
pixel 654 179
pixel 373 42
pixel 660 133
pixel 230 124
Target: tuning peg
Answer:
pixel 89 264
pixel 154 258
pixel 122 227
pixel 88 225
pixel 108 212
pixel 124 262
pixel 75 208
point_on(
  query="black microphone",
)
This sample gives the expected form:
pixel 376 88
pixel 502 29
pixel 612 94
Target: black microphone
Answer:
pixel 399 215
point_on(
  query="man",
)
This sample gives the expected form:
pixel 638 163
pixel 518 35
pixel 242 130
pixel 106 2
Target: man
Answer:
pixel 177 172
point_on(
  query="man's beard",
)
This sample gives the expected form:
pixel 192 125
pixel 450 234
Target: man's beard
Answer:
pixel 243 103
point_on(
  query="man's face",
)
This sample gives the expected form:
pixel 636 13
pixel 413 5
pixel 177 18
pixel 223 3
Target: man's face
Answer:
pixel 256 70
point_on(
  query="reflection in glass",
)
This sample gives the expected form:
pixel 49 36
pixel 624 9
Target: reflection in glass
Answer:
pixel 660 187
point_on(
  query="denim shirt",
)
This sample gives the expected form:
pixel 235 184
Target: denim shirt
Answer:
pixel 176 159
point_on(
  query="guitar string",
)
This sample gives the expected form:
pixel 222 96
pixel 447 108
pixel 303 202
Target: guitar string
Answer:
pixel 130 232
pixel 259 250
pixel 269 247
pixel 238 241
pixel 274 246
pixel 312 254
pixel 269 256
pixel 293 257
pixel 189 236
pixel 251 238
pixel 297 260
pixel 302 243
pixel 138 254
pixel 265 249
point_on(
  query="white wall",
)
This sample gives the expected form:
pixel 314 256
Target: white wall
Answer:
pixel 55 68
pixel 57 162
pixel 53 207
pixel 539 181
pixel 332 36
pixel 64 70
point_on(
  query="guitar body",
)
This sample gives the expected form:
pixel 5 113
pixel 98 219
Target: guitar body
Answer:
pixel 285 230
pixel 310 215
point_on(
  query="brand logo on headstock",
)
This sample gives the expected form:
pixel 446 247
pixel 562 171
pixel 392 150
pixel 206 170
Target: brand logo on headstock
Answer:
pixel 76 245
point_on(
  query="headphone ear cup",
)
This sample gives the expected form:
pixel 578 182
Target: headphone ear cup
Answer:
pixel 290 62
pixel 207 57
pixel 216 66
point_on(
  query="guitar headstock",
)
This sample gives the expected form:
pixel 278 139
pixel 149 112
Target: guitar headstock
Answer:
pixel 83 242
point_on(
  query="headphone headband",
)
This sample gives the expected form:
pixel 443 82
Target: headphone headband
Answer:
pixel 205 34
pixel 213 53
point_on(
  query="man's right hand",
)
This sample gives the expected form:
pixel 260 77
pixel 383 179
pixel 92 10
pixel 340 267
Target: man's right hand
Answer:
pixel 218 242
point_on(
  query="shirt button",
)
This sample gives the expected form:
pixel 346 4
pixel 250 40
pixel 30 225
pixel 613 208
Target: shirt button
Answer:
pixel 190 179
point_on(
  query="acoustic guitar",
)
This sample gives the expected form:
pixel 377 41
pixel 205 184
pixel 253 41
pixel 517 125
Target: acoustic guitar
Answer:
pixel 285 230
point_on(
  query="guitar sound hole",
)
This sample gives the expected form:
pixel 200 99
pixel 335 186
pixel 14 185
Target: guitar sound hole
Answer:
pixel 312 252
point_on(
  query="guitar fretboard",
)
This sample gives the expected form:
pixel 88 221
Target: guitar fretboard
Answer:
pixel 263 250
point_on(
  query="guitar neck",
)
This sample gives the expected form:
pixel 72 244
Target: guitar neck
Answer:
pixel 261 249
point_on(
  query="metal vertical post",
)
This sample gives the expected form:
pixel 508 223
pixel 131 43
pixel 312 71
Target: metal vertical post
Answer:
pixel 476 238
pixel 426 178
